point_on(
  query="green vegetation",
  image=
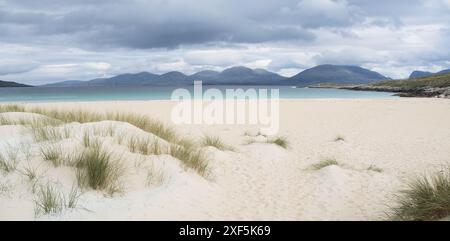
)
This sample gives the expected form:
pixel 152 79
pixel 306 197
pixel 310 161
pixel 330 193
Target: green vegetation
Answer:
pixel 48 201
pixel 9 163
pixel 97 169
pixel 280 141
pixel 51 201
pixel 30 172
pixel 325 163
pixel 437 81
pixel 52 153
pixel 50 128
pixel 190 157
pixel 216 142
pixel 339 138
pixel 374 168
pixel 11 108
pixel 426 198
pixel 67 116
pixel 145 146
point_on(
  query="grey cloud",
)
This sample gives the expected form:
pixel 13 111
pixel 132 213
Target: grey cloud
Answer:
pixel 138 35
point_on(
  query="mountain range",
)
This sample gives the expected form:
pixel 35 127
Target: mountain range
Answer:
pixel 238 76
pixel 11 84
pixel 420 74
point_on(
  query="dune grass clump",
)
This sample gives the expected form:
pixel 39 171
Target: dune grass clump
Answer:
pixel 190 157
pixel 67 116
pixel 6 121
pixel 30 172
pixel 90 141
pixel 49 200
pixel 11 108
pixel 47 133
pixel 72 199
pixel 155 176
pixel 145 123
pixel 53 154
pixel 145 146
pixel 325 163
pixel 280 141
pixel 9 163
pixel 426 198
pixel 374 168
pixel 216 142
pixel 96 169
pixel 339 138
pixel 4 188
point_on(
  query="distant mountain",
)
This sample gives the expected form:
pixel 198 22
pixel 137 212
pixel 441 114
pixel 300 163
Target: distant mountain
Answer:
pixel 420 74
pixel 4 84
pixel 335 74
pixel 238 76
pixel 235 75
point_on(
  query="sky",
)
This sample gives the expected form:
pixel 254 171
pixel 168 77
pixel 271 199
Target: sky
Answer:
pixel 48 41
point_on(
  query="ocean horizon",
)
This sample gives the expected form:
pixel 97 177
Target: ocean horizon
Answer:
pixel 116 93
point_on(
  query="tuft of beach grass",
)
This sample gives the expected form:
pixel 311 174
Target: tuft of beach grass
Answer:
pixel 325 163
pixel 374 168
pixel 53 154
pixel 97 169
pixel 339 138
pixel 190 157
pixel 216 142
pixel 280 141
pixel 426 198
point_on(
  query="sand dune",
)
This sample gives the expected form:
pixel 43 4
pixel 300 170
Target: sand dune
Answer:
pixel 385 143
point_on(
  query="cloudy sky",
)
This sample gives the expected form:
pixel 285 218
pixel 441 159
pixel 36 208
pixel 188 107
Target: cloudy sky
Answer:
pixel 51 40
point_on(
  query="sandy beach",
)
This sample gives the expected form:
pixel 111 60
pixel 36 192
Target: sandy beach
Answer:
pixel 378 144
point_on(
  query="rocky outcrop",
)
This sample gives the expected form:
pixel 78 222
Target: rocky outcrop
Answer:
pixel 405 92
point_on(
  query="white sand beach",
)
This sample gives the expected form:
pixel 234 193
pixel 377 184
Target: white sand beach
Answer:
pixel 382 145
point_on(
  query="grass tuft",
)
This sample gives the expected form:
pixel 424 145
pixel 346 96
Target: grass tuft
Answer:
pixel 280 141
pixel 216 142
pixel 49 201
pixel 155 176
pixel 52 153
pixel 11 108
pixel 190 157
pixel 339 138
pixel 9 163
pixel 374 168
pixel 426 198
pixel 97 169
pixel 325 163
pixel 30 172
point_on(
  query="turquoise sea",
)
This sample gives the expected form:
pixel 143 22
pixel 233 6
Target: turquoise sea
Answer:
pixel 73 94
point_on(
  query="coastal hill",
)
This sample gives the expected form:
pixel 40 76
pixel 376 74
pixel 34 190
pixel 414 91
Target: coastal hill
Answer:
pixel 11 84
pixel 420 74
pixel 238 76
pixel 336 74
pixel 437 85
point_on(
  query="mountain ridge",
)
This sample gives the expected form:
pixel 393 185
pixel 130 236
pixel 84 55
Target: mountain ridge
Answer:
pixel 4 84
pixel 238 75
pixel 420 74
